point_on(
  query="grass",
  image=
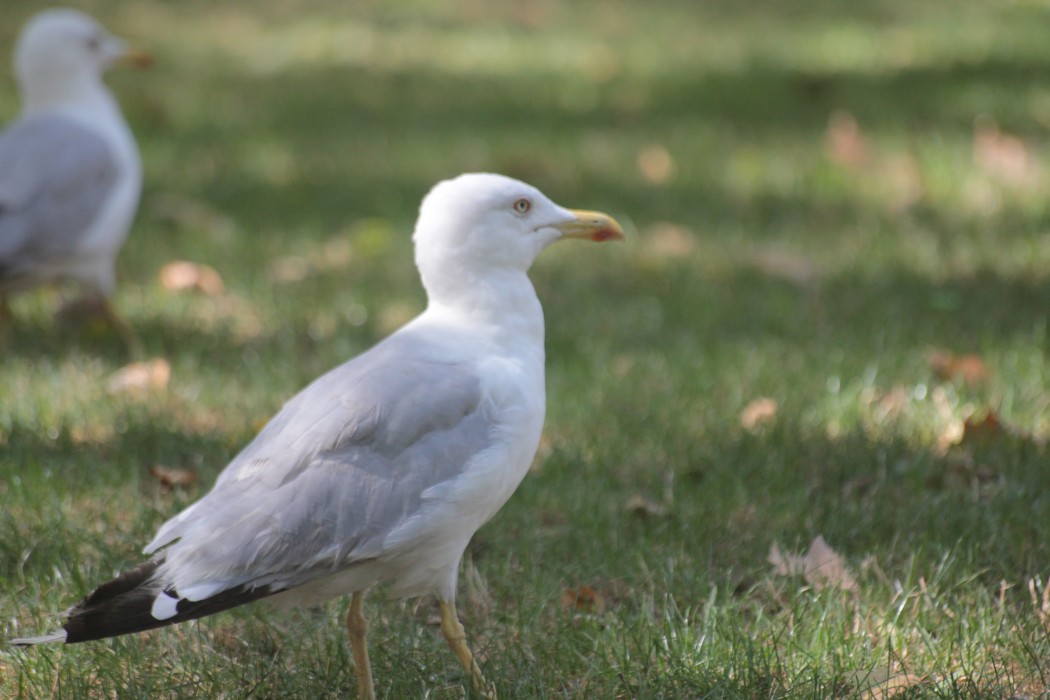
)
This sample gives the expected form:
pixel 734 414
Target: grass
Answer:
pixel 290 136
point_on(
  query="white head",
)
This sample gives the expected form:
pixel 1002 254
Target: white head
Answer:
pixel 480 224
pixel 61 55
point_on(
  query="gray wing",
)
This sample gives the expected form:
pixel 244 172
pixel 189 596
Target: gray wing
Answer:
pixel 55 176
pixel 343 464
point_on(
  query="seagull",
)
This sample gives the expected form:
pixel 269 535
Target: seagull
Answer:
pixel 382 469
pixel 70 172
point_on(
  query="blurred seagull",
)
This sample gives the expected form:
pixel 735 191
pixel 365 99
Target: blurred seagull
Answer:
pixel 382 469
pixel 70 172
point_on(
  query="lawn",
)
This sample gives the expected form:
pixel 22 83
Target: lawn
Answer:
pixel 829 321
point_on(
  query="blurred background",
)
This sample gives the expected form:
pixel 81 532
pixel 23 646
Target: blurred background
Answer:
pixel 829 319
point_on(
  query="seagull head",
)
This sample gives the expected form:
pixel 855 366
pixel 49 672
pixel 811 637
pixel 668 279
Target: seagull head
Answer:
pixel 61 52
pixel 477 223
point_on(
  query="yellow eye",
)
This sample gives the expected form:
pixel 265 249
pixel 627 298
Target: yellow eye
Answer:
pixel 522 206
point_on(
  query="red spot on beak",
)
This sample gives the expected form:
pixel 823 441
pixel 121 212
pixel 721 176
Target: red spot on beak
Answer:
pixel 606 234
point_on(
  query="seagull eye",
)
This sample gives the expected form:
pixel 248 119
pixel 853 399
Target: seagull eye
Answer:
pixel 522 206
pixel 93 43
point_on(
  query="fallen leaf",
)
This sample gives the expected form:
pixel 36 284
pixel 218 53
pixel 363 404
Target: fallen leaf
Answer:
pixel 331 255
pixel 584 599
pixel 882 683
pixel 169 477
pixel 821 566
pixel 669 240
pixel 1001 155
pixel 949 366
pixel 655 164
pixel 844 142
pixel 640 505
pixel 139 377
pixel 758 413
pixel 788 266
pixel 182 276
pixel 982 429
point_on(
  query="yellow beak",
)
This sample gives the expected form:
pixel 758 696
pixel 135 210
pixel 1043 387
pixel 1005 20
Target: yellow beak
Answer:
pixel 592 226
pixel 135 58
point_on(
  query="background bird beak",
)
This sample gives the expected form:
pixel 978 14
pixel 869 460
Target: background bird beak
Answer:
pixel 592 226
pixel 135 58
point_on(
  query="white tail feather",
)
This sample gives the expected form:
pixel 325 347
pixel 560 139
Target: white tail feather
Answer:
pixel 59 636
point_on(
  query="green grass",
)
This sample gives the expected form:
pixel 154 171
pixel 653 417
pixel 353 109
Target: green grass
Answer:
pixel 761 268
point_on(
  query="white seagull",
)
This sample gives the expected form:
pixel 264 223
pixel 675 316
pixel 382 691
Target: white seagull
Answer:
pixel 70 172
pixel 382 469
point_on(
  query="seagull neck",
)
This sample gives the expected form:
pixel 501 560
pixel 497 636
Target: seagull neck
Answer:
pixel 82 94
pixel 504 300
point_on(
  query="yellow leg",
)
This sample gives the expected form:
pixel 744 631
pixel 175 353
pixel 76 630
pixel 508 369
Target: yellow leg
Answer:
pixel 357 626
pixel 456 637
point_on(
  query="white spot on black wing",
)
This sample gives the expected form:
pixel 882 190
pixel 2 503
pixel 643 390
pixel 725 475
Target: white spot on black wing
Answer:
pixel 164 606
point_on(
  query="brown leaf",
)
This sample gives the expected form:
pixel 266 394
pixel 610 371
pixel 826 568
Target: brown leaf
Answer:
pixel 845 143
pixel 292 268
pixel 893 402
pixel 640 505
pixel 140 377
pixel 669 240
pixel 655 164
pixel 169 477
pixel 758 413
pixel 584 599
pixel 821 567
pixel 949 366
pixel 982 429
pixel 882 683
pixel 182 276
pixel 788 266
pixel 1001 155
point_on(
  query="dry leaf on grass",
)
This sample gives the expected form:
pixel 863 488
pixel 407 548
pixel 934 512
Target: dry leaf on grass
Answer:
pixel 1002 155
pixel 975 428
pixel 788 266
pixel 949 366
pixel 182 276
pixel 883 683
pixel 333 254
pixel 655 164
pixel 169 477
pixel 665 239
pixel 845 143
pixel 983 428
pixel 140 377
pixel 889 404
pixel 583 599
pixel 821 566
pixel 640 505
pixel 758 413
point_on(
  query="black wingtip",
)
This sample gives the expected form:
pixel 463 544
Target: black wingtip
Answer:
pixel 117 607
pixel 126 605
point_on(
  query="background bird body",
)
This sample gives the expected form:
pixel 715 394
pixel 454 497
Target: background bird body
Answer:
pixel 70 170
